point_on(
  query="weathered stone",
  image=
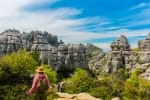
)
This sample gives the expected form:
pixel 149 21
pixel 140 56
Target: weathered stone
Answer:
pixel 71 56
pixel 80 96
pixel 116 98
pixel 58 55
pixel 120 55
pixel 144 46
pixel 29 38
pixel 10 40
pixel 146 74
pixel 96 58
pixel 41 46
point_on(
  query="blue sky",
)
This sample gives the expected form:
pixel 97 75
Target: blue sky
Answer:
pixel 77 21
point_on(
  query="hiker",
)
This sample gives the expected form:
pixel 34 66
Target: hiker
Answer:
pixel 40 85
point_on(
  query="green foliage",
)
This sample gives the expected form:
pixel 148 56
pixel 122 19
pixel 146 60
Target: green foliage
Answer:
pixel 51 94
pixel 35 56
pixel 15 92
pixel 52 75
pixel 15 71
pixel 144 88
pixel 103 92
pixel 79 82
pixel 140 92
pixel 133 80
pixel 130 92
pixel 136 50
pixel 20 62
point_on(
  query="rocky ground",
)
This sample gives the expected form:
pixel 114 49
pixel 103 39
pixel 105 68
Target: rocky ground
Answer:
pixel 80 96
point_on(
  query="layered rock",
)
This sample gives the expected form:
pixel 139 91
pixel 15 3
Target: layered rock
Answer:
pixel 146 74
pixel 120 55
pixel 67 57
pixel 41 46
pixel 144 46
pixel 10 40
pixel 28 38
pixel 96 58
pixel 58 55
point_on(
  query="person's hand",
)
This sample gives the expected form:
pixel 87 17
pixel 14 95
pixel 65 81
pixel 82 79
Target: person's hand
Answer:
pixel 28 93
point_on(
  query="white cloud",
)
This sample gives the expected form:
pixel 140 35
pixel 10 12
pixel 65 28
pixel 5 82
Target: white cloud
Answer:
pixel 141 5
pixel 57 21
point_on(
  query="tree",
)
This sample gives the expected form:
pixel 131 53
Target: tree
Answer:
pixel 15 73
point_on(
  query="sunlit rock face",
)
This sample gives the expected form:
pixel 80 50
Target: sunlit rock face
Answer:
pixel 10 40
pixel 58 55
pixel 29 38
pixel 120 55
pixel 42 47
pixel 67 57
pixel 144 46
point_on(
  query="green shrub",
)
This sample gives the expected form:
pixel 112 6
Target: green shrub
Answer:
pixel 79 82
pixel 15 71
pixel 130 92
pixel 52 75
pixel 20 63
pixel 102 92
pixel 144 87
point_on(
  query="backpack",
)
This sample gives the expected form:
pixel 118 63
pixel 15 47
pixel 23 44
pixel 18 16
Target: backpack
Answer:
pixel 42 86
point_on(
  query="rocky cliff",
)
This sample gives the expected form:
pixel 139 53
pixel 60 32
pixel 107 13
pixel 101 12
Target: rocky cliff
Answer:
pixel 58 55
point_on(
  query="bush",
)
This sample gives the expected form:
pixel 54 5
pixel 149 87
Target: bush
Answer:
pixel 19 63
pixel 52 75
pixel 130 92
pixel 103 92
pixel 15 71
pixel 79 82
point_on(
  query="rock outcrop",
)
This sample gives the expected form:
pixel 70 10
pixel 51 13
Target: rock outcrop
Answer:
pixel 96 58
pixel 144 48
pixel 29 38
pixel 67 57
pixel 146 74
pixel 80 96
pixel 120 55
pixel 58 55
pixel 10 40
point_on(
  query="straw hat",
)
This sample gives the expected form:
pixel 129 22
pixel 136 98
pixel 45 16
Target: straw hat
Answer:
pixel 39 69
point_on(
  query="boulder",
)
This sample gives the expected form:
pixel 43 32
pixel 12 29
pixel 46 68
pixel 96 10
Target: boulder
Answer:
pixel 80 96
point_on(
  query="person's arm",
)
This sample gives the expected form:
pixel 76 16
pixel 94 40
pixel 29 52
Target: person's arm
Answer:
pixel 34 85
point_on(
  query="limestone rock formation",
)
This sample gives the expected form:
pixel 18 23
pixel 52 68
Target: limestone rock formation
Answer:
pixel 67 57
pixel 58 55
pixel 96 58
pixel 146 74
pixel 10 40
pixel 144 46
pixel 41 46
pixel 120 55
pixel 29 38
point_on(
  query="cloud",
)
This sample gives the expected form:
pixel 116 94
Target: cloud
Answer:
pixel 58 21
pixel 61 21
pixel 141 5
pixel 133 19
